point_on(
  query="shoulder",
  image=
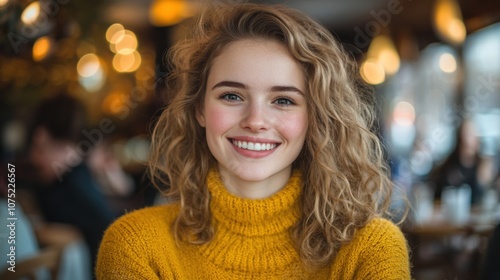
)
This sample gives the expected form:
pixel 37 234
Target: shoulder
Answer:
pixel 141 228
pixel 381 234
pixel 135 242
pixel 381 250
pixel 143 220
pixel 380 228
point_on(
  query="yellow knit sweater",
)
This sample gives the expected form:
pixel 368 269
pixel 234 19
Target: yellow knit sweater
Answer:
pixel 251 242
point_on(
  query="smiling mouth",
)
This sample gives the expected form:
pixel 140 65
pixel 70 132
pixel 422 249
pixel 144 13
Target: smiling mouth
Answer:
pixel 253 146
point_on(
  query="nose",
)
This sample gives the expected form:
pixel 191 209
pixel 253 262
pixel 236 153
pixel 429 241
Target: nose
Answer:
pixel 256 118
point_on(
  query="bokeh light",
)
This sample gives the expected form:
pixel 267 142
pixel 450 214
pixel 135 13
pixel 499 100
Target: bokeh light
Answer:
pixel 447 63
pixel 383 50
pixel 372 72
pixel 41 48
pixel 88 65
pixel 3 3
pixel 169 12
pixel 90 73
pixel 404 114
pixel 31 13
pixel 127 43
pixel 127 62
pixel 114 102
pixel 114 32
pixel 448 21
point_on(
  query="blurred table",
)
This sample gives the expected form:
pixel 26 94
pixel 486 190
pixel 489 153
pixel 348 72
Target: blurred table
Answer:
pixel 478 222
pixel 442 249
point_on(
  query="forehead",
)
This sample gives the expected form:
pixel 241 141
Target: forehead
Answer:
pixel 257 60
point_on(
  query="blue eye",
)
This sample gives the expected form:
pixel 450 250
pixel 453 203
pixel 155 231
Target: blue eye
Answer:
pixel 284 101
pixel 231 97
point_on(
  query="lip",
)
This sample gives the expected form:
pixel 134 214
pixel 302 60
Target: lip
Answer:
pixel 253 154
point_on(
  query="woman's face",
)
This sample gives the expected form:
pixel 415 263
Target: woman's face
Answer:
pixel 255 116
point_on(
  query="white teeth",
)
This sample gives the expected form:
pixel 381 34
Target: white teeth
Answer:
pixel 254 146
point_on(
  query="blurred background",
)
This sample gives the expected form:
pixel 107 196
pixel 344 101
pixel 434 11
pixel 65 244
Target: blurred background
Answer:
pixel 434 66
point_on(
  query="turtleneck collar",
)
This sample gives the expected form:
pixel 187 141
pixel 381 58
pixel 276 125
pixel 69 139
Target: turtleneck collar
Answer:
pixel 255 217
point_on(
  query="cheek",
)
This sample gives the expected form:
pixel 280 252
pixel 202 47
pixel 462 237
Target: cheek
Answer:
pixel 218 120
pixel 295 128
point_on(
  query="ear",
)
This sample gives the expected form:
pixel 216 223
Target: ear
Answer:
pixel 200 116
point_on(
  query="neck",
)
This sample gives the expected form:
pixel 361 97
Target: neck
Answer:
pixel 254 189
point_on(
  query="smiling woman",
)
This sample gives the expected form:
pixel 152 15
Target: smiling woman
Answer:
pixel 253 101
pixel 267 156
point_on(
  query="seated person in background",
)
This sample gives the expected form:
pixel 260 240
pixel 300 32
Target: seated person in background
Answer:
pixel 66 191
pixel 74 260
pixel 25 241
pixel 464 166
pixel 108 171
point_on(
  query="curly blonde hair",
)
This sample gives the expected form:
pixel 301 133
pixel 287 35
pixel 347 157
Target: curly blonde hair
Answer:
pixel 345 180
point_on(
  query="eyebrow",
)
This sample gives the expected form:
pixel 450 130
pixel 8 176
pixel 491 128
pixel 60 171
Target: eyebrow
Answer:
pixel 286 89
pixel 243 86
pixel 229 84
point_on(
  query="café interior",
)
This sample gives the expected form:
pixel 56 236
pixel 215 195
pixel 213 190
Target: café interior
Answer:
pixel 433 66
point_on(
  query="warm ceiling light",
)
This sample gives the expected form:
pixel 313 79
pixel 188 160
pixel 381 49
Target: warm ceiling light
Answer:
pixel 41 48
pixel 31 13
pixel 448 21
pixel 372 71
pixel 168 12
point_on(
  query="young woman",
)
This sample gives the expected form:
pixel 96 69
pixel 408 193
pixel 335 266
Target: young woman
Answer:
pixel 267 156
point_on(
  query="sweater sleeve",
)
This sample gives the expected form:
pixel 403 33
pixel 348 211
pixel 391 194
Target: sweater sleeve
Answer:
pixel 385 252
pixel 123 253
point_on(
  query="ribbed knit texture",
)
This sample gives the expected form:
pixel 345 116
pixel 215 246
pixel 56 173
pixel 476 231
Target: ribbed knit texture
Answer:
pixel 252 241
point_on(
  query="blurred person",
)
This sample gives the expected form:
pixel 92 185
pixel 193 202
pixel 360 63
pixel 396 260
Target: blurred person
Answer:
pixel 268 158
pixel 74 261
pixel 464 165
pixel 25 241
pixel 66 191
pixel 108 171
